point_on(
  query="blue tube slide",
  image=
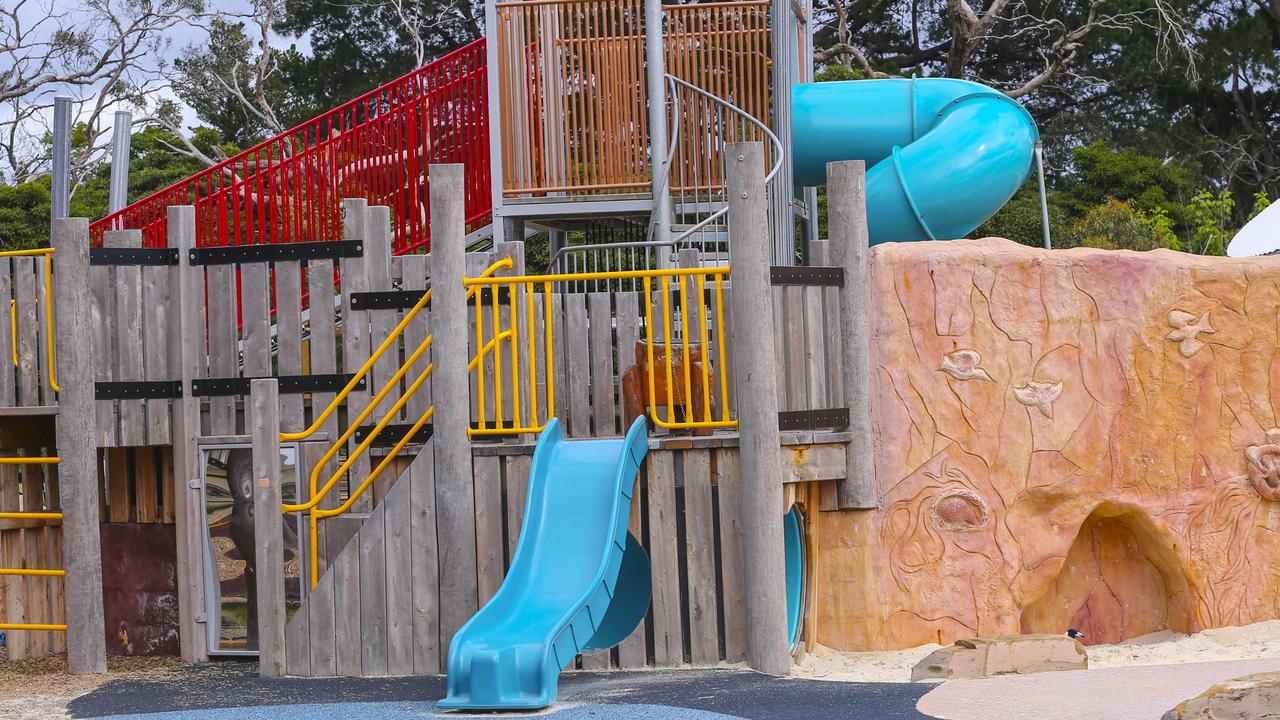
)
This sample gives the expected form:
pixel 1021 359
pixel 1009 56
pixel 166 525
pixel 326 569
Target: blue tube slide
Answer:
pixel 579 582
pixel 944 154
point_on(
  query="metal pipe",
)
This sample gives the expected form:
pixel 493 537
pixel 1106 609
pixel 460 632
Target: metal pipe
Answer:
pixel 60 200
pixel 1044 197
pixel 121 134
pixel 654 85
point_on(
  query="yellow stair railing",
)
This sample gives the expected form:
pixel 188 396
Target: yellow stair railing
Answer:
pixel 492 340
pixel 32 515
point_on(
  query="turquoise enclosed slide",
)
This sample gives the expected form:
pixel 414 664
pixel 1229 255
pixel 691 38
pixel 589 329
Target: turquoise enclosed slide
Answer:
pixel 943 154
pixel 579 582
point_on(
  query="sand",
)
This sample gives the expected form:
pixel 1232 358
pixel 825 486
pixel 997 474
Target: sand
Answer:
pixel 1251 642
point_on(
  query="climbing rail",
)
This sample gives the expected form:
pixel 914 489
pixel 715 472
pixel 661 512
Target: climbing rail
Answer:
pixel 290 188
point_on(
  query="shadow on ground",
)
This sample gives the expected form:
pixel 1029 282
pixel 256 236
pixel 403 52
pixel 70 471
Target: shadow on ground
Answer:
pixel 204 692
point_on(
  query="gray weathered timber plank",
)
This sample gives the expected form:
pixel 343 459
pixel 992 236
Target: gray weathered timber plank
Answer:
pixel 632 652
pixel 345 570
pixel 373 594
pixel 377 268
pixel 578 361
pixel 78 485
pixel 699 522
pixel 24 291
pixel 425 562
pixel 455 499
pixel 604 411
pixel 414 269
pixel 479 315
pixel 729 491
pixel 288 304
pixel 255 319
pixel 517 479
pixel 321 631
pixel 399 583
pixel 540 359
pixel 849 249
pixel 664 559
pixel 322 341
pixel 128 329
pixel 523 334
pixel 760 458
pixel 297 643
pixel 156 300
pixel 104 313
pixel 268 524
pixel 223 345
pixel 628 322
pixel 489 548
pixel 186 362
pixel 8 392
pixel 815 349
pixel 355 338
pixel 778 308
pixel 795 368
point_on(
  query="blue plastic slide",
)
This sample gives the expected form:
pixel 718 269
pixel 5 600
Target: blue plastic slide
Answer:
pixel 943 155
pixel 578 582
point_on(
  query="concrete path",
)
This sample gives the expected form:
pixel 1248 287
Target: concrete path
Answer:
pixel 1130 693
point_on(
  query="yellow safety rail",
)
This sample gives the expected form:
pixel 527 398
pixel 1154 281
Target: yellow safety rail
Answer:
pixel 317 491
pixel 47 254
pixel 389 342
pixel 32 572
pixel 698 412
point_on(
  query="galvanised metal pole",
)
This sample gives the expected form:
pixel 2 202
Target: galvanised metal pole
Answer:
pixel 118 195
pixel 1044 198
pixel 60 202
pixel 654 72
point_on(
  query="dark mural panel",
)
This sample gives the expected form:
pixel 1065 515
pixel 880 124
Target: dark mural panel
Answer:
pixel 140 588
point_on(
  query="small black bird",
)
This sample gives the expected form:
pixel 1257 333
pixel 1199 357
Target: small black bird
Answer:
pixel 1074 634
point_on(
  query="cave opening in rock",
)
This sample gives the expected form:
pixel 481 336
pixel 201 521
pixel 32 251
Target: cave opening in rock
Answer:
pixel 1120 579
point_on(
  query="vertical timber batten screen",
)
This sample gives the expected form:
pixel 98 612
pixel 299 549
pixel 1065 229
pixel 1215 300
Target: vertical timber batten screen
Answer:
pixel 377 147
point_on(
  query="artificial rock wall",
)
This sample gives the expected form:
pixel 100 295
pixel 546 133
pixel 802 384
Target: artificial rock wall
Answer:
pixel 1069 438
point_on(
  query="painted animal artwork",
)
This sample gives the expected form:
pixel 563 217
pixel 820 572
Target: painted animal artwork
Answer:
pixel 688 399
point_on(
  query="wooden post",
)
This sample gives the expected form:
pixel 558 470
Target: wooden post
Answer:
pixel 78 468
pixel 455 494
pixel 757 393
pixel 186 328
pixel 268 524
pixel 847 231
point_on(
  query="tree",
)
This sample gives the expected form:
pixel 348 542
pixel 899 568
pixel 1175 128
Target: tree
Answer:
pixel 102 53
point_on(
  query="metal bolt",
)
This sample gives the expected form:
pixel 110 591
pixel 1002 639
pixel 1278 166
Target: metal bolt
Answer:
pixel 741 158
pixel 744 196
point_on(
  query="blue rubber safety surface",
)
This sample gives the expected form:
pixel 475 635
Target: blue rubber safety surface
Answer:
pixel 233 691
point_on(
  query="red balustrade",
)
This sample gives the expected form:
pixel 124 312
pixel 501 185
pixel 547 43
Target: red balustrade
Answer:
pixel 290 188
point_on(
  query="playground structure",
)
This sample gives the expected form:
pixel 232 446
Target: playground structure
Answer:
pixel 257 379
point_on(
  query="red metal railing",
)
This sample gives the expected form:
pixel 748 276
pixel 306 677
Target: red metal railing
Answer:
pixel 378 146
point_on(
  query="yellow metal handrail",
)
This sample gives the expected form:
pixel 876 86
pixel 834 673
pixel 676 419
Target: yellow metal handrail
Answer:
pixel 47 254
pixel 32 572
pixel 700 413
pixel 387 343
pixel 318 492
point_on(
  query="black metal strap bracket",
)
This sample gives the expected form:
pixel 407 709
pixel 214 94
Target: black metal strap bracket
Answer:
pixel 137 390
pixel 829 418
pixel 289 384
pixel 392 434
pixel 386 300
pixel 806 276
pixel 276 252
pixel 133 256
pixel 405 299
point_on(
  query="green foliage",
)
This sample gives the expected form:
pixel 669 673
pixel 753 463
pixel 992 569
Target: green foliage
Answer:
pixel 835 73
pixel 1210 216
pixel 24 215
pixel 1020 219
pixel 1260 202
pixel 1117 225
pixel 1148 182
